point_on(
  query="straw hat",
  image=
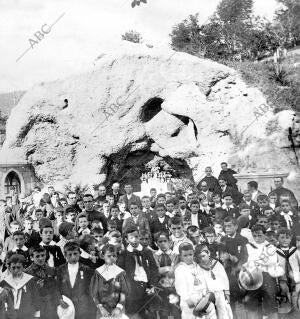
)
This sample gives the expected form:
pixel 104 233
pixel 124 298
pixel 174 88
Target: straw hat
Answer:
pixel 250 277
pixel 284 305
pixel 68 313
pixel 203 304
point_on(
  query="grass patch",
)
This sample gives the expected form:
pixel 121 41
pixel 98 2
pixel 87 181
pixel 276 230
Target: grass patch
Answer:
pixel 281 87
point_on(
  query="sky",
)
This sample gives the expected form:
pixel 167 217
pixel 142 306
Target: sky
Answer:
pixel 81 30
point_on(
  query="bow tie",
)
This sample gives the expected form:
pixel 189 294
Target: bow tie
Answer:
pixel 165 260
pixel 138 256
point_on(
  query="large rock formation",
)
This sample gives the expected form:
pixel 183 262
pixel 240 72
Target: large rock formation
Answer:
pixel 138 104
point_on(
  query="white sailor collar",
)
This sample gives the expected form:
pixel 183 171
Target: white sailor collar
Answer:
pixel 16 284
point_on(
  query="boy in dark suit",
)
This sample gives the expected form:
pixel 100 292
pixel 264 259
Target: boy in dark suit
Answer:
pixel 251 203
pixel 115 216
pixel 142 273
pixel 210 241
pixel 147 209
pixel 47 289
pixel 166 261
pixel 236 195
pixel 235 247
pixel 129 197
pixel 136 220
pixel 32 237
pixel 287 217
pixel 20 248
pixel 234 242
pixel 161 222
pixel 262 202
pixel 54 254
pixel 183 209
pixel 199 218
pixel 229 206
pixel 73 281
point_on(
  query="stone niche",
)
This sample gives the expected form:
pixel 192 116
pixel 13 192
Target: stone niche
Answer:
pixel 21 176
pixel 130 163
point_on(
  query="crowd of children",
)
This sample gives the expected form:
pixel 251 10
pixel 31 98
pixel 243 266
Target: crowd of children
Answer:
pixel 210 252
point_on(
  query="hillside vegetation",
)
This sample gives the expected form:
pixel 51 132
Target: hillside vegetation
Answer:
pixel 281 87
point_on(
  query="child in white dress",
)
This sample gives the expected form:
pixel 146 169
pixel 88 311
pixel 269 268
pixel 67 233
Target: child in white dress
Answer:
pixel 190 286
pixel 213 274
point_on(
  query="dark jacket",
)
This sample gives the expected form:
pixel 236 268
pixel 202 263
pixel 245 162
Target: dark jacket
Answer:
pixel 212 183
pixel 79 294
pixel 236 195
pixel 150 215
pixel 48 292
pixel 126 261
pixel 286 192
pixel 56 252
pixel 95 215
pixel 232 211
pixel 284 222
pixel 253 205
pixel 203 220
pixel 116 197
pixel 142 223
pixel 119 223
pixel 29 301
pixel 156 226
pixel 133 199
pixel 236 246
pixel 228 177
pixel 33 239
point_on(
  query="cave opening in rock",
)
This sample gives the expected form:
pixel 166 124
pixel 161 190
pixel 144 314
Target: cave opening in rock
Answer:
pixel 150 109
pixel 128 165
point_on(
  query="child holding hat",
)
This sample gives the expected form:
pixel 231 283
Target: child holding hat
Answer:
pixel 195 302
pixel 214 275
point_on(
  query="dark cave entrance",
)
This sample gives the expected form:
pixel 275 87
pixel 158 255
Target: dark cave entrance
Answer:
pixel 135 159
pixel 128 166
